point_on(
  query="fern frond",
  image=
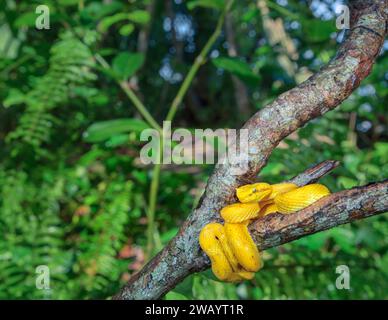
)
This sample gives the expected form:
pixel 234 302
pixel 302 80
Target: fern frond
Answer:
pixel 30 235
pixel 105 236
pixel 71 64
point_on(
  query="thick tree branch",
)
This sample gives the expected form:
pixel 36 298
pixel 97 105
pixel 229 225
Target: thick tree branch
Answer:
pixel 290 111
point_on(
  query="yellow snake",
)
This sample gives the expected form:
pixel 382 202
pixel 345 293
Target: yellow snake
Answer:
pixel 232 252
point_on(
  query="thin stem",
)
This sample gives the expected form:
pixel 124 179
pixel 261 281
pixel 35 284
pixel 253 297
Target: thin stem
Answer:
pixel 129 92
pixel 140 106
pixel 156 170
pixel 152 207
pixel 197 64
pixel 132 96
pixel 14 65
pixel 281 10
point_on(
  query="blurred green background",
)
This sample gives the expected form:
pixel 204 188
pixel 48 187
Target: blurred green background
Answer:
pixel 73 193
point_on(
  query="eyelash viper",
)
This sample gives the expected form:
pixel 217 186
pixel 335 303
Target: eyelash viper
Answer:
pixel 232 252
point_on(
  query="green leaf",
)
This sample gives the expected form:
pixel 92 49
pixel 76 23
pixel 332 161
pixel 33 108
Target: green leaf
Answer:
pixel 371 169
pixel 317 30
pixel 381 149
pixel 383 263
pixel 205 288
pixel 96 11
pixel 125 64
pixel 250 15
pixel 139 16
pixel 236 67
pixel 344 238
pixel 273 168
pixel 68 2
pixel 90 157
pixel 14 97
pixel 127 29
pixel 314 242
pixel 175 296
pixel 101 131
pixel 214 4
pixel 105 23
pixel 168 235
pixel 26 20
pixel 347 183
pixel 116 141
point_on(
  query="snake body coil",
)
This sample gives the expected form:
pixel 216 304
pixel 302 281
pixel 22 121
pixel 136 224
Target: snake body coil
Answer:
pixel 300 198
pixel 239 212
pixel 232 252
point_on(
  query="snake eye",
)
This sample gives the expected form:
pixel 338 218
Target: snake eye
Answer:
pixel 253 192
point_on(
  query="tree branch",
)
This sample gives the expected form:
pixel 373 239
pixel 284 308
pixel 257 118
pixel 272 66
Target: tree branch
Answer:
pixel 314 173
pixel 290 111
pixel 336 209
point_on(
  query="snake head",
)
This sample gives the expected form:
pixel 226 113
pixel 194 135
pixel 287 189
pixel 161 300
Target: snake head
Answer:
pixel 253 192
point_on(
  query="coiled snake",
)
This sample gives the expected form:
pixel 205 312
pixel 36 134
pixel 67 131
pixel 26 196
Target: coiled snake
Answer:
pixel 232 252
